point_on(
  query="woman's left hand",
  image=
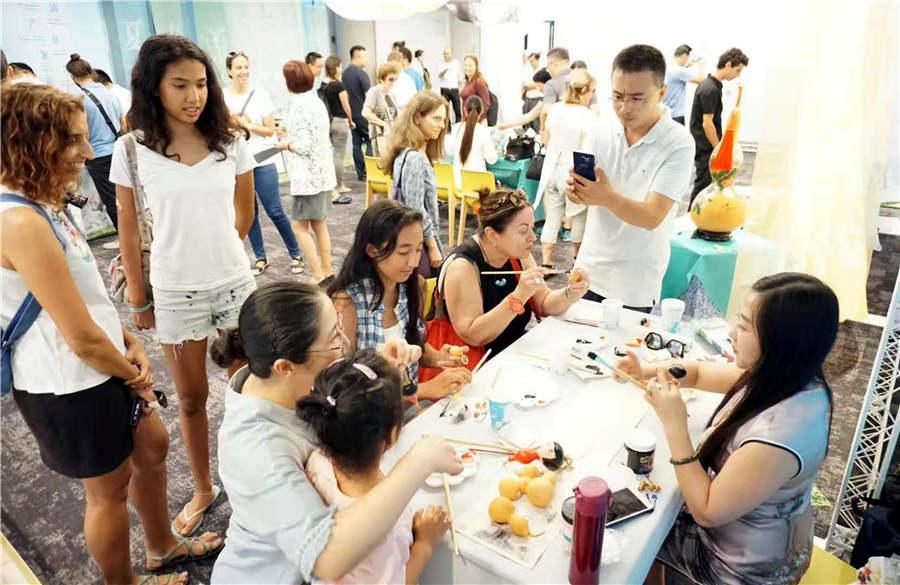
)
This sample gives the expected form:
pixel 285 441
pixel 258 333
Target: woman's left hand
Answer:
pixel 664 396
pixel 579 283
pixel 452 356
pixel 400 354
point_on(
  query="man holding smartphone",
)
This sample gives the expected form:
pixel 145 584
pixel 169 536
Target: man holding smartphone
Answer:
pixel 643 168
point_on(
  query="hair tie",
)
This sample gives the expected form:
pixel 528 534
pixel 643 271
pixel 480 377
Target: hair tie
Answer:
pixel 330 400
pixel 366 370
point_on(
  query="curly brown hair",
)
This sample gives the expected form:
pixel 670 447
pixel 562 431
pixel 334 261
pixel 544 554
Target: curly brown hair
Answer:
pixel 35 123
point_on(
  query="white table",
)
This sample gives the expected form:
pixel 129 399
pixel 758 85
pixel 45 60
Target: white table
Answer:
pixel 591 420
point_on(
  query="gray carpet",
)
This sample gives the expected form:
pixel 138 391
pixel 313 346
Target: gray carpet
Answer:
pixel 42 512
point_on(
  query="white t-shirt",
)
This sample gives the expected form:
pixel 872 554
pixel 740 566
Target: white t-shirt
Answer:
pixel 42 361
pixel 259 106
pixel 528 79
pixel 404 89
pixel 195 244
pixel 451 77
pixel 483 153
pixel 625 261
pixel 123 95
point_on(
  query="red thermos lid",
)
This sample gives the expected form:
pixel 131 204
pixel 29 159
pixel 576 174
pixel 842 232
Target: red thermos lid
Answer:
pixel 592 496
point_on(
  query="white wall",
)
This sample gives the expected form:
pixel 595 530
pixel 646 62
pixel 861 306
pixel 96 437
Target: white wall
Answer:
pixel 41 34
pixel 595 32
pixel 429 32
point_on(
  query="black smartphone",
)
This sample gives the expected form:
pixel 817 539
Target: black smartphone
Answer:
pixel 584 165
pixel 626 504
pixel 138 405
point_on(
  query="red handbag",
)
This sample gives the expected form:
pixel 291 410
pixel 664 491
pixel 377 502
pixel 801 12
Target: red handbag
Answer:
pixel 439 331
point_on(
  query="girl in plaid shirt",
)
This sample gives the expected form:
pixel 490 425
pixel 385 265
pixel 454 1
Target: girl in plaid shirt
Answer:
pixel 379 293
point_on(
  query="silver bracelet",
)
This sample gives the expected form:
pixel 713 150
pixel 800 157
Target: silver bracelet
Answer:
pixel 143 309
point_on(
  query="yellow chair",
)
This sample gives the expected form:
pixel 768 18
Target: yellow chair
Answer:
pixel 377 182
pixel 827 569
pixel 430 284
pixel 472 183
pixel 446 186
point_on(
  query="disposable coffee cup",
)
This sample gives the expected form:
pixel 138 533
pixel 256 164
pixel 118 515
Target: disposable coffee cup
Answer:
pixel 612 312
pixel 672 312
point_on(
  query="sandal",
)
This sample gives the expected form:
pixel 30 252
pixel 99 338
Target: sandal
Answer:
pixel 170 578
pixel 216 492
pixel 296 265
pixel 259 267
pixel 173 558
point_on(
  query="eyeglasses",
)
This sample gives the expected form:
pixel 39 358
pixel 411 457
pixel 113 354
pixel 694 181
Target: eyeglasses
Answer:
pixel 655 342
pixel 338 338
pixel 632 100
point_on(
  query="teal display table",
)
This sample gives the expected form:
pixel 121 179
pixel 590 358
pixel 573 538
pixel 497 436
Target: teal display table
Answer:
pixel 512 174
pixel 712 263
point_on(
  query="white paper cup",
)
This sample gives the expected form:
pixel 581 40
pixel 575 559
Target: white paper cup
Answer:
pixel 672 312
pixel 612 312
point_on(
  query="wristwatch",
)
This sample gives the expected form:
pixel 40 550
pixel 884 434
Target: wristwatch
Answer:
pixel 515 305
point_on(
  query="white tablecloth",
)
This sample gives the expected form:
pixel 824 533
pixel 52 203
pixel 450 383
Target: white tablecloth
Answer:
pixel 591 420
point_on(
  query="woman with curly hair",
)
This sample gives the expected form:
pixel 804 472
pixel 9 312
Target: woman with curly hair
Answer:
pixel 416 141
pixel 195 170
pixel 81 381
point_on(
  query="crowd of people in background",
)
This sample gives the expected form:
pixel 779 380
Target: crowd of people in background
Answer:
pixel 322 374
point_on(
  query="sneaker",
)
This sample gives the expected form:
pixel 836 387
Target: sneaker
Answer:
pixel 296 266
pixel 113 245
pixel 342 200
pixel 565 235
pixel 259 267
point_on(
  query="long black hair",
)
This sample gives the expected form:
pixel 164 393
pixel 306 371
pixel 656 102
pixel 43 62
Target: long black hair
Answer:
pixel 380 225
pixel 797 323
pixel 355 408
pixel 147 113
pixel 474 106
pixel 279 320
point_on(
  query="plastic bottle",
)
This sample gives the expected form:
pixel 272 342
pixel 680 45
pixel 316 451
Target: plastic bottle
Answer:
pixel 592 500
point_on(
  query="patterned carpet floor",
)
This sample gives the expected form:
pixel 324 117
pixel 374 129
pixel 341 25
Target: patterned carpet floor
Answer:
pixel 42 512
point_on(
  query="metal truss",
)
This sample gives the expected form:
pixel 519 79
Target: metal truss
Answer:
pixel 875 438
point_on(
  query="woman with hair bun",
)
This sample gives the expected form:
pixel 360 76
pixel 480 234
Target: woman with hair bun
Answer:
pixel 280 530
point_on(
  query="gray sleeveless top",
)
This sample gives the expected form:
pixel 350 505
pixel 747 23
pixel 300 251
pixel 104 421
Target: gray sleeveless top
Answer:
pixel 773 542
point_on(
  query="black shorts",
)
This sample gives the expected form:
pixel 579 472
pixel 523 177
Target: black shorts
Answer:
pixel 84 434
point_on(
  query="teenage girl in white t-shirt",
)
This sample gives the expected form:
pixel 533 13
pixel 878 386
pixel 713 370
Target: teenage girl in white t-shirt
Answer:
pixel 252 108
pixel 77 373
pixel 195 169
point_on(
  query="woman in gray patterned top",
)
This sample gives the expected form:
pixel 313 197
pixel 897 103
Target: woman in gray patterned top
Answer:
pixel 380 109
pixel 740 525
pixel 417 140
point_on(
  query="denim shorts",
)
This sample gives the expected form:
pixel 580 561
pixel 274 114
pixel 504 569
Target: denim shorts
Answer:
pixel 195 315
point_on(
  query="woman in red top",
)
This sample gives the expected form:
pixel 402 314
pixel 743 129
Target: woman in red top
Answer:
pixel 475 84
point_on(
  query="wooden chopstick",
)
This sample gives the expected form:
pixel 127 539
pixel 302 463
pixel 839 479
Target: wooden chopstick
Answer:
pixel 502 272
pixel 450 514
pixel 489 451
pixel 534 356
pixel 622 374
pixel 481 445
pixel 481 362
pixel 585 322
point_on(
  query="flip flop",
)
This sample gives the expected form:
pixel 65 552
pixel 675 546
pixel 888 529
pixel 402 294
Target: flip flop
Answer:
pixel 171 559
pixel 216 492
pixel 158 579
pixel 260 267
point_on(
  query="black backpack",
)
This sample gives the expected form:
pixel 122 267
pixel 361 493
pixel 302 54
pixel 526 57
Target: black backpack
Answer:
pixel 493 110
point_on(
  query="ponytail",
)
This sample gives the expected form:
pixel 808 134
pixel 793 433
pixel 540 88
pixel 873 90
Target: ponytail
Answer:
pixel 474 107
pixel 228 348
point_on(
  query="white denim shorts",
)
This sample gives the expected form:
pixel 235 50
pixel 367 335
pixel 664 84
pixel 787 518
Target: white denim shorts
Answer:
pixel 187 315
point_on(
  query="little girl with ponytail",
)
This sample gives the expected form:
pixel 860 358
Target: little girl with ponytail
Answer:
pixel 356 411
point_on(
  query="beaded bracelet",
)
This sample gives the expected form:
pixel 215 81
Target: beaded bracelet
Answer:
pixel 143 309
pixel 686 460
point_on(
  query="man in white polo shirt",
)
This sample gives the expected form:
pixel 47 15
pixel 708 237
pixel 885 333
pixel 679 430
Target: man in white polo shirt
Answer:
pixel 644 163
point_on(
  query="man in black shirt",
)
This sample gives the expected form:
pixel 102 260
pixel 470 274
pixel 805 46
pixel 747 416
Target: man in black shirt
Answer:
pixel 356 82
pixel 706 113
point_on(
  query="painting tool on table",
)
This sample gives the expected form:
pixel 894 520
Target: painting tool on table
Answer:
pixel 494 447
pixel 720 348
pixel 450 513
pixel 505 272
pixel 617 371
